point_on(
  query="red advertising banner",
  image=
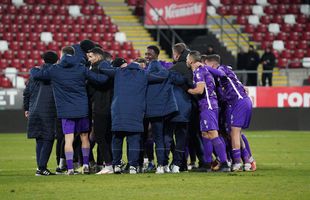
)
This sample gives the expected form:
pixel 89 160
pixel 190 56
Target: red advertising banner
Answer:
pixel 175 12
pixel 279 97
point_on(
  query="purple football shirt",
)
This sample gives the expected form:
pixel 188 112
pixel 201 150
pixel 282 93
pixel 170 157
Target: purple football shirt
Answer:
pixel 209 99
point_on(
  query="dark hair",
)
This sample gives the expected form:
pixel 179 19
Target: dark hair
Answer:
pixel 154 48
pixel 203 58
pixel 96 50
pixel 140 60
pixel 118 62
pixel 68 50
pixel 214 57
pixel 107 56
pixel 50 57
pixel 87 45
pixel 195 55
pixel 179 47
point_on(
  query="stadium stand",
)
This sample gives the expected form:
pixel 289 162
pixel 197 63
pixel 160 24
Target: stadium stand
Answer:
pixel 30 27
pixel 284 25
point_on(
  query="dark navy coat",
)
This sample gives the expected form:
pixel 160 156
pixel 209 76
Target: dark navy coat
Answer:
pixel 128 104
pixel 182 97
pixel 160 99
pixel 39 101
pixel 68 82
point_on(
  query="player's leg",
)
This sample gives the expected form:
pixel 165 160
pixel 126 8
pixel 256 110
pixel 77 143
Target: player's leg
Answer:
pixel 134 142
pixel 68 127
pixel 44 157
pixel 158 134
pixel 117 150
pixel 39 145
pixel 82 127
pixel 181 130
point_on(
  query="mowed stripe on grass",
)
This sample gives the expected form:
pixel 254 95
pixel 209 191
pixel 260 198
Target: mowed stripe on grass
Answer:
pixel 283 173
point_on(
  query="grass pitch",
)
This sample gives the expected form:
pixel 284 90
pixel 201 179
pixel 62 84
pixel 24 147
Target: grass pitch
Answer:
pixel 283 160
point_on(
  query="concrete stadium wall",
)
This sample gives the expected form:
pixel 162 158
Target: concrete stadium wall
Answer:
pixel 13 121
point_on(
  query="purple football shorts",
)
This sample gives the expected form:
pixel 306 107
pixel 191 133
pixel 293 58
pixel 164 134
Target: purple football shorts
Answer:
pixel 75 125
pixel 209 120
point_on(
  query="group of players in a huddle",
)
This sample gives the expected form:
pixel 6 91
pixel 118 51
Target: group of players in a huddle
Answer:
pixel 193 108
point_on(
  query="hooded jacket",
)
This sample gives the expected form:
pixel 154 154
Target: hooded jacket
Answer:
pixel 68 82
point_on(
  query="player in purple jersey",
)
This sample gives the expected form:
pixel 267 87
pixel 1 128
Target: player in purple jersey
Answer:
pixel 208 106
pixel 239 109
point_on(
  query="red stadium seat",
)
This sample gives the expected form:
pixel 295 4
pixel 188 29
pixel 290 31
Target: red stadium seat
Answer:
pixel 86 10
pixel 249 28
pixel 226 2
pixel 269 10
pixel 273 2
pixel 2 28
pixel 265 44
pixel 22 54
pixel 21 36
pixel 13 28
pixel 286 54
pixel 282 36
pixel 115 45
pixel 98 10
pixel 286 28
pixel 78 2
pixel 71 37
pixel 35 55
pixel 91 2
pixel 265 19
pixel 302 19
pixel 36 10
pixel 80 20
pixel 49 10
pixel 234 10
pixel 69 20
pixel 43 2
pixel 28 45
pixel 30 1
pixel 294 9
pixel 298 28
pixel 299 53
pixel 12 10
pixel 41 46
pixel 245 10
pixel 76 28
pixel 63 28
pixel 280 9
pixel 101 28
pixel 29 63
pixel 127 46
pixel 32 19
pixel 14 45
pixel 305 36
pixel 46 19
pixel 3 64
pixel 58 37
pixel 34 37
pixel 26 28
pixel 303 44
pixel 269 36
pixel 6 19
pixel 24 71
pixel 8 55
pixel 8 36
pixel 291 45
pixel 93 20
pixel 54 2
pixel 294 36
pixel 53 46
pixel 222 11
pixel 249 2
pixel 67 2
pixel 96 37
pixel 241 19
pixel 262 28
pixel 257 36
pixel 108 37
pixel 277 19
pixel 282 62
pixel 113 28
pixel 6 83
pixel 82 36
pixel 62 10
pixel 89 28
pixel 16 63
